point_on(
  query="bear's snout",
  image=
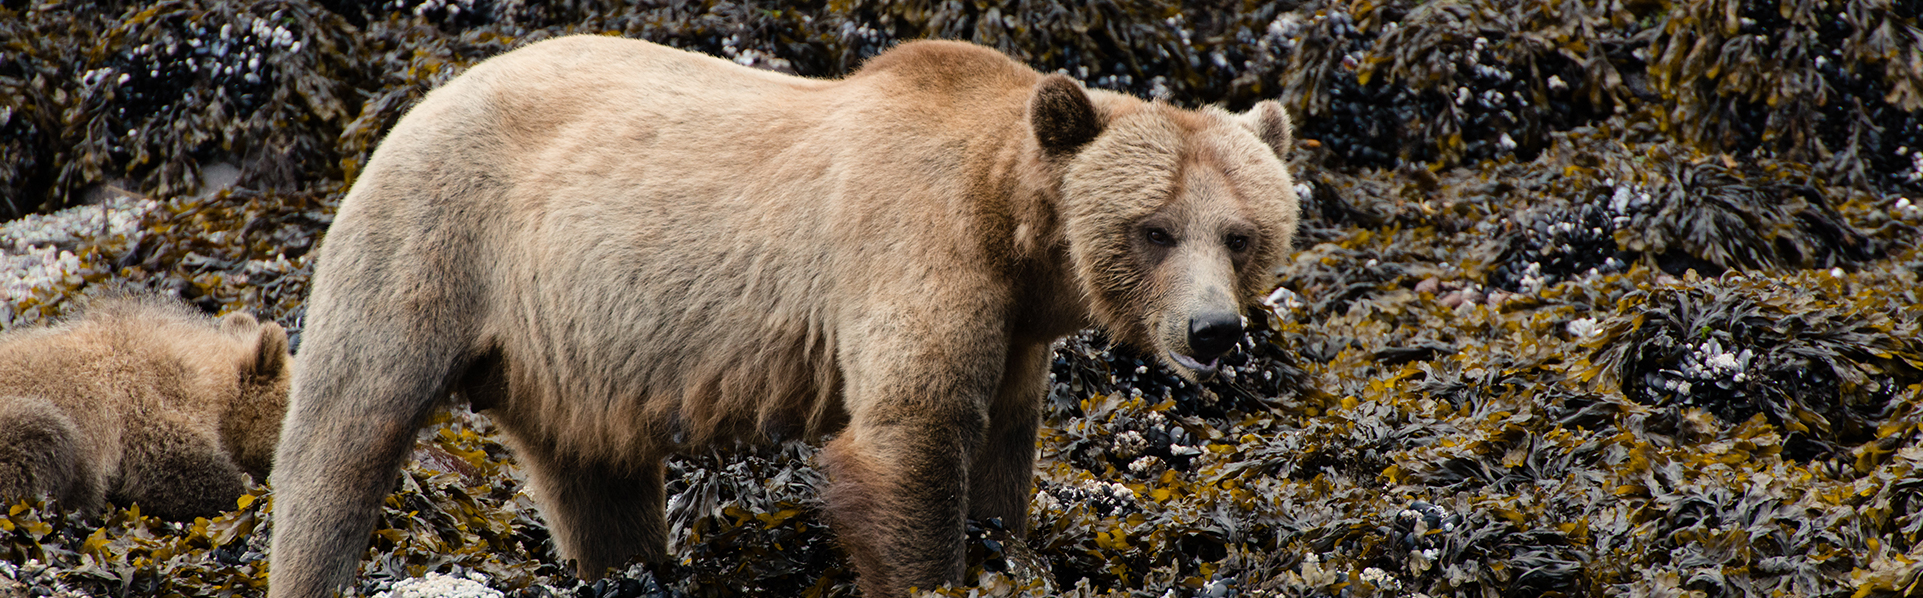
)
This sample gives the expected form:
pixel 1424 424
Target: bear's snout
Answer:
pixel 1213 334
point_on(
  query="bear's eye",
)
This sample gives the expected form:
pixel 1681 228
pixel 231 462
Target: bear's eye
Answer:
pixel 1160 237
pixel 1236 243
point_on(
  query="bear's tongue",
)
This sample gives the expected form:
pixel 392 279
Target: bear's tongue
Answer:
pixel 1191 363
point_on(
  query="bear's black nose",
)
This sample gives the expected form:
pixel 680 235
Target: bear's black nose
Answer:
pixel 1211 335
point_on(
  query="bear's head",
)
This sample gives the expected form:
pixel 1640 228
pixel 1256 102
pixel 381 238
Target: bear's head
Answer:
pixel 1175 219
pixel 250 427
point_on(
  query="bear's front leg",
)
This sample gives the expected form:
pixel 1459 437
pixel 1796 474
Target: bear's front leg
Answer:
pixel 174 473
pixel 356 404
pixel 895 501
pixel 898 476
pixel 1002 475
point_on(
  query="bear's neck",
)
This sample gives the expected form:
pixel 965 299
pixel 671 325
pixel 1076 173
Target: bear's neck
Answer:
pixel 1049 301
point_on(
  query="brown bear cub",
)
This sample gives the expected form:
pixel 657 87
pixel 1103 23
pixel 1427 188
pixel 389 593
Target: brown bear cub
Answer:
pixel 620 250
pixel 141 401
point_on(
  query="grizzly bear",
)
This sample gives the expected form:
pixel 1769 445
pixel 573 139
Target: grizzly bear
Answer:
pixel 621 250
pixel 141 401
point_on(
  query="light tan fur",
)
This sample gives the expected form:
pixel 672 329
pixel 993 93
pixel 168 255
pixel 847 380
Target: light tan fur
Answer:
pixel 622 250
pixel 142 401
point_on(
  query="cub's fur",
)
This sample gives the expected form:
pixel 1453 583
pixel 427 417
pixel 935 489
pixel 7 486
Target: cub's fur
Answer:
pixel 621 250
pixel 141 402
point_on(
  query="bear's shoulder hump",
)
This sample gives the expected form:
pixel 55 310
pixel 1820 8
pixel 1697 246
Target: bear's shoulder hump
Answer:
pixel 947 61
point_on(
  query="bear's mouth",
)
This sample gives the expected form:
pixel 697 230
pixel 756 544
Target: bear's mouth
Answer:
pixel 1191 363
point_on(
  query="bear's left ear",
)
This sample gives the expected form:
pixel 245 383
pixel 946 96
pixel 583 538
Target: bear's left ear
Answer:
pixel 1270 122
pixel 239 323
pixel 1063 117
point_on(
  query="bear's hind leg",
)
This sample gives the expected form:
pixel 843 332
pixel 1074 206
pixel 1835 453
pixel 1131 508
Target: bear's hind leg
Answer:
pixel 40 454
pixel 600 514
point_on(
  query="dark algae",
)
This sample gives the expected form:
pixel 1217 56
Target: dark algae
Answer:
pixel 1589 298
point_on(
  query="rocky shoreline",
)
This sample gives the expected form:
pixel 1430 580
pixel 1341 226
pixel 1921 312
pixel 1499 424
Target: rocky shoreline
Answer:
pixel 1589 299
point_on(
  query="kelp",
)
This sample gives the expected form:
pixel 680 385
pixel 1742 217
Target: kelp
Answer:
pixel 1574 308
pixel 149 97
pixel 130 553
pixel 1376 83
pixel 1679 210
pixel 40 64
pixel 1837 84
pixel 1823 369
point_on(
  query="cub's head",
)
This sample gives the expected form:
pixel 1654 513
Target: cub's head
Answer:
pixel 1175 219
pixel 250 428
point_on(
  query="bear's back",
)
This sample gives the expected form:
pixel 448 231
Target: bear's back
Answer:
pixel 125 359
pixel 553 104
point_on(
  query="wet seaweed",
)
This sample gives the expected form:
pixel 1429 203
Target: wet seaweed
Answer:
pixel 1588 298
pixel 1823 371
pixel 159 92
pixel 1836 84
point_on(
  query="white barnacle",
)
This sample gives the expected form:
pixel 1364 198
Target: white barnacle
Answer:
pixel 1584 328
pixel 1130 443
pixel 1282 298
pixel 1724 362
pixel 1379 578
pixel 1046 502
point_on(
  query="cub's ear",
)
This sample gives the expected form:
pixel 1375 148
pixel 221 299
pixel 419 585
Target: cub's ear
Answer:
pixel 1270 122
pixel 239 323
pixel 1063 117
pixel 270 354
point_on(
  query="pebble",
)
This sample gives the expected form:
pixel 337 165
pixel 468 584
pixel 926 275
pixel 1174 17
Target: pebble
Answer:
pixel 1429 285
pixel 34 578
pixel 37 258
pixel 436 585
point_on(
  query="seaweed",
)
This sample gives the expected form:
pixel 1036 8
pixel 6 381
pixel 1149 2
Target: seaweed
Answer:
pixel 1822 369
pixel 1836 84
pixel 39 64
pixel 172 88
pixel 1588 298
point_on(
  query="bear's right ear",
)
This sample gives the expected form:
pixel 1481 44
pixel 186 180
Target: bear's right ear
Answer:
pixel 1063 117
pixel 270 354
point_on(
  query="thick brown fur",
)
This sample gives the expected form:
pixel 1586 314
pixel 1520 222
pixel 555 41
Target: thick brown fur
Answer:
pixel 142 401
pixel 622 250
